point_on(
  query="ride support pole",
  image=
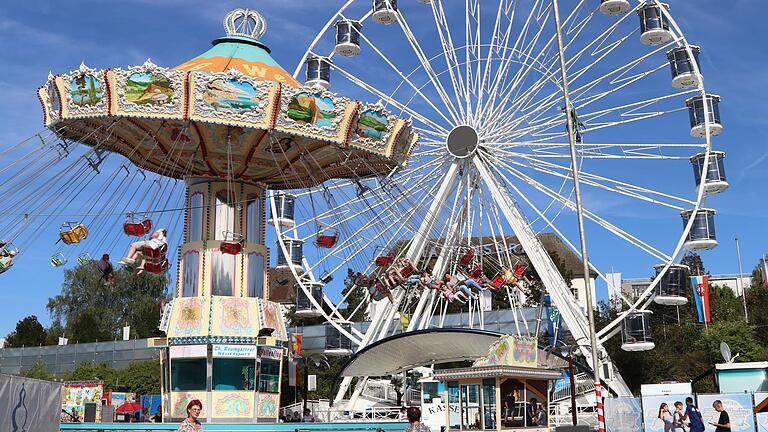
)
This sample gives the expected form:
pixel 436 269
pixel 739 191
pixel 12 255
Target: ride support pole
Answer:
pixel 569 118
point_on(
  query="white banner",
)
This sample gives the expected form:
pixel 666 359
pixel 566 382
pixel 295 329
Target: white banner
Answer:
pixel 614 284
pixel 29 405
pixel 188 351
pixel 623 414
pixel 235 351
pixel 485 300
pixel 127 333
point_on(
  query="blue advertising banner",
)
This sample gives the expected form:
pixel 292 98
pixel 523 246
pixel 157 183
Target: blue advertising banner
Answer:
pixel 738 406
pixel 761 418
pixel 651 405
pixel 623 414
pixel 553 321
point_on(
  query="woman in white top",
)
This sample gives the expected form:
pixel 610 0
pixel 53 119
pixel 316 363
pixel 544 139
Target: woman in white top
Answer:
pixel 666 417
pixel 156 241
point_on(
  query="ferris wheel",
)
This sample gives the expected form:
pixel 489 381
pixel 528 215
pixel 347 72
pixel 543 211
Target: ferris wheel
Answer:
pixel 491 172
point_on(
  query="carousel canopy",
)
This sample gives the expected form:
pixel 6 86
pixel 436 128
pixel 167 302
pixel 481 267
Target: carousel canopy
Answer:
pixel 231 112
pixel 423 348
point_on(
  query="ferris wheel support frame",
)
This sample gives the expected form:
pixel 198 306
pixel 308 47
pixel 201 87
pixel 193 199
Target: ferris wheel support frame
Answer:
pixel 379 324
pixel 545 268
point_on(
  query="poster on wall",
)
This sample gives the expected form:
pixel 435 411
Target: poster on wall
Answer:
pixel 623 414
pixel 761 418
pixel 75 396
pixel 738 406
pixel 651 405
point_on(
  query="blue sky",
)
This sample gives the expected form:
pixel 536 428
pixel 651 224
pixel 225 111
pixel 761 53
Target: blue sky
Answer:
pixel 41 36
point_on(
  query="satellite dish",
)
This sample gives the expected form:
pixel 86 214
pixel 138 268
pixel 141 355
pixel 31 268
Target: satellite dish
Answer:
pixel 725 351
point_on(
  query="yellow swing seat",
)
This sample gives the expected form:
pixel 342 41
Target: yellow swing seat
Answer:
pixel 71 233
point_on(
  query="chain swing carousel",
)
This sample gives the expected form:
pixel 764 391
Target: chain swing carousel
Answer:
pixel 230 124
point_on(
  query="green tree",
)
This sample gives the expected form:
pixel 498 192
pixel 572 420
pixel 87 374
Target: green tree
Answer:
pixel 28 332
pixel 140 378
pixel 739 336
pixel 724 305
pixel 88 310
pixel 37 371
pixel 398 384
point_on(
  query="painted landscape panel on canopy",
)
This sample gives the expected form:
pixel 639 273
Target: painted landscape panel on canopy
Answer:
pixel 148 88
pixel 232 94
pixel 372 124
pixel 86 90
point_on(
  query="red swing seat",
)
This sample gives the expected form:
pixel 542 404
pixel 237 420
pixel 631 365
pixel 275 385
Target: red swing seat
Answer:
pixel 497 281
pixel 383 261
pixel 156 267
pixel 154 254
pixel 519 270
pixel 138 229
pixel 406 272
pixel 476 271
pixel 231 248
pixel 467 257
pixel 326 241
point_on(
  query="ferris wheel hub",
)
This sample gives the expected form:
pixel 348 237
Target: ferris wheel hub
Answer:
pixel 462 141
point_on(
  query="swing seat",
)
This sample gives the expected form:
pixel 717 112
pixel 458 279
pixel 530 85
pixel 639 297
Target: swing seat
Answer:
pixel 467 257
pixel 138 229
pixel 519 271
pixel 476 271
pixel 154 254
pixel 71 234
pixel 406 272
pixel 83 259
pixel 6 263
pixel 58 260
pixel 497 281
pixel 326 241
pixel 156 267
pixel 378 290
pixel 231 248
pixel 383 261
pixel 7 249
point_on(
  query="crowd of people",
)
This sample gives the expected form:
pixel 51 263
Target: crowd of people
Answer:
pixel 459 287
pixel 307 417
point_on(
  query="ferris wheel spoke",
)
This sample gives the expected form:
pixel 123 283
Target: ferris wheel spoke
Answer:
pixel 559 150
pixel 449 53
pixel 427 65
pixel 391 101
pixel 404 216
pixel 633 240
pixel 605 183
pixel 405 78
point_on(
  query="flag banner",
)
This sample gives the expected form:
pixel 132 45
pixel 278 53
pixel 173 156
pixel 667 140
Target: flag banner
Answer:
pixel 553 321
pixel 293 369
pixel 700 286
pixel 296 340
pixel 764 271
pixel 614 284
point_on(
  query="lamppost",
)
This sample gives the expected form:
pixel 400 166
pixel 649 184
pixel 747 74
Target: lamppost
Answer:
pixel 567 352
pixel 317 359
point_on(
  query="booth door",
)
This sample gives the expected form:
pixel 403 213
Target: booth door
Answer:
pixel 471 415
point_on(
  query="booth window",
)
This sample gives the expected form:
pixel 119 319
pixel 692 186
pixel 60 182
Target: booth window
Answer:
pixel 269 376
pixel 255 275
pixel 191 271
pixel 470 406
pixel 224 218
pixel 234 374
pixel 489 403
pixel 253 220
pixel 429 391
pixel 223 274
pixel 453 401
pixel 196 217
pixel 189 374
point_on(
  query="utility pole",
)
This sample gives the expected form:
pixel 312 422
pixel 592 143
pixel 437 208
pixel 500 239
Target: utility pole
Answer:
pixel 741 283
pixel 569 116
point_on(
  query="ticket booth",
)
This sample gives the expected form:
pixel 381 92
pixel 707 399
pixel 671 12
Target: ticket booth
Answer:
pixel 506 390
